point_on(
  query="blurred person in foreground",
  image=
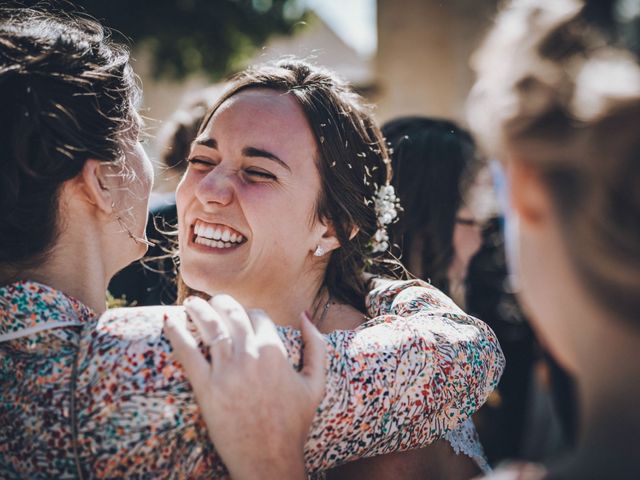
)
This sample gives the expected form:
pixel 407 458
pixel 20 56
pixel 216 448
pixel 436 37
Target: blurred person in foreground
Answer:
pixel 557 101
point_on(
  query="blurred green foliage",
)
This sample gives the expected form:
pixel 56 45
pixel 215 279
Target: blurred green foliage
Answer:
pixel 189 36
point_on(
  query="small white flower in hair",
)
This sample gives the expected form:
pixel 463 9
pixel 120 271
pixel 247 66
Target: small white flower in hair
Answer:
pixel 386 205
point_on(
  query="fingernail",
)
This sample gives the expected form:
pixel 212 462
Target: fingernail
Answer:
pixel 186 300
pixel 169 321
pixel 305 316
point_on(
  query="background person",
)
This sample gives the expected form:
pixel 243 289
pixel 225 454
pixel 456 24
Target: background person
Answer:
pixel 450 234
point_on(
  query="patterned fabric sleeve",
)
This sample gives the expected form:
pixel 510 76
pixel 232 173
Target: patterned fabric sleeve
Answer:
pixel 402 380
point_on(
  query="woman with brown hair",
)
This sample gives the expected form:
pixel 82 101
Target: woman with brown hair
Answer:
pixel 557 101
pixel 291 142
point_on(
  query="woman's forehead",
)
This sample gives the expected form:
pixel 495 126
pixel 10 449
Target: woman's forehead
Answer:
pixel 262 115
pixel 262 105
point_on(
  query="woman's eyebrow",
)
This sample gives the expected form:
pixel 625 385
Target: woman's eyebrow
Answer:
pixel 258 152
pixel 206 141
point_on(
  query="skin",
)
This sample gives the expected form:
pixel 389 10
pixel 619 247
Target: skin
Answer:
pixel 600 350
pixel 466 240
pixel 271 203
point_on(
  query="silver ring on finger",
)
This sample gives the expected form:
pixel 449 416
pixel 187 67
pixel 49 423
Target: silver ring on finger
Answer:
pixel 221 337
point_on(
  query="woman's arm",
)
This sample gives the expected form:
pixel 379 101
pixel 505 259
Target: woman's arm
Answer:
pixel 401 380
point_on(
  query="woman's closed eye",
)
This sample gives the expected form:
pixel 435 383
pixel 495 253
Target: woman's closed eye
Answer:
pixel 200 163
pixel 259 175
pixel 251 174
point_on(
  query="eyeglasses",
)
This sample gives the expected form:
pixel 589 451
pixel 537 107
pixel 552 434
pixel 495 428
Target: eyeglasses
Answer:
pixel 468 222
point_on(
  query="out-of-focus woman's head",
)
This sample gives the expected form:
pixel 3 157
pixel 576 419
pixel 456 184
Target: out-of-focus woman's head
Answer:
pixel 434 164
pixel 332 158
pixel 558 91
pixel 67 95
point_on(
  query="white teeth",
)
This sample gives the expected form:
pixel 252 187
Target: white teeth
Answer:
pixel 219 237
pixel 214 243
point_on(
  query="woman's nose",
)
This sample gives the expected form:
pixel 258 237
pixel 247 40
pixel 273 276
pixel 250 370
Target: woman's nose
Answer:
pixel 215 188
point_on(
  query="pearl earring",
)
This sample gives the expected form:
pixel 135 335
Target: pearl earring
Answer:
pixel 319 251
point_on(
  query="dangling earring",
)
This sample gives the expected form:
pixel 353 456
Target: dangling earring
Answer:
pixel 123 225
pixel 319 251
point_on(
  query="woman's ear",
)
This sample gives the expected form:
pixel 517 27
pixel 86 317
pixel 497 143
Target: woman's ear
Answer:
pixel 92 185
pixel 528 196
pixel 328 240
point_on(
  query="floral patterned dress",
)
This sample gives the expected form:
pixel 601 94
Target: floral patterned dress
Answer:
pixel 90 397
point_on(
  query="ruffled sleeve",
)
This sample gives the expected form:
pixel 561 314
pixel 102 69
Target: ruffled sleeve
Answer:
pixel 414 372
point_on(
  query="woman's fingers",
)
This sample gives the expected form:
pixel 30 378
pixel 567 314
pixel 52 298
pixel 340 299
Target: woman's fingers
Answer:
pixel 186 351
pixel 258 393
pixel 213 328
pixel 313 368
pixel 236 319
pixel 265 330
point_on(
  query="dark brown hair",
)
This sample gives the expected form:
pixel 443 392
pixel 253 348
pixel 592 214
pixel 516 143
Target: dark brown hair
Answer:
pixel 67 94
pixel 434 161
pixel 352 161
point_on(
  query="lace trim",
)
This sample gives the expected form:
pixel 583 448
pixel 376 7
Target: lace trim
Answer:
pixel 465 441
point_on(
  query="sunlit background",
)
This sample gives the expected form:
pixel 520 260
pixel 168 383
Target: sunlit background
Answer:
pixel 404 56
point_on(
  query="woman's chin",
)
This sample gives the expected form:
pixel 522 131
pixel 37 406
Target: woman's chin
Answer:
pixel 202 282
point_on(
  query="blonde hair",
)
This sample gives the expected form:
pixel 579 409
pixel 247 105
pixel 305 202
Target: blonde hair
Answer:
pixel 560 93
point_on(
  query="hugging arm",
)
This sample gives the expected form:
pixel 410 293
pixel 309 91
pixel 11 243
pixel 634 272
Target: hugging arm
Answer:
pixel 404 379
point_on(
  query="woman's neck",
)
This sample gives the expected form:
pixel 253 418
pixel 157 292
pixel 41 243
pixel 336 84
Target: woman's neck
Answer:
pixel 609 384
pixel 285 304
pixel 74 268
pixel 456 275
pixel 457 271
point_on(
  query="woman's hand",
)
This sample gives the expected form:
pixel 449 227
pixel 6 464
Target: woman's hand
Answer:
pixel 257 408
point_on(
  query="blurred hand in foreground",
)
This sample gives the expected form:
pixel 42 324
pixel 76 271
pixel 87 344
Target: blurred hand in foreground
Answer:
pixel 257 408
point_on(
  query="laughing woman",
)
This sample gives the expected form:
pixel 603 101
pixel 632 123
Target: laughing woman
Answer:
pixel 557 101
pixel 87 395
pixel 286 199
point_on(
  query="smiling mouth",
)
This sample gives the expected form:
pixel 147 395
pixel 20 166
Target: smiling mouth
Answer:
pixel 215 235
